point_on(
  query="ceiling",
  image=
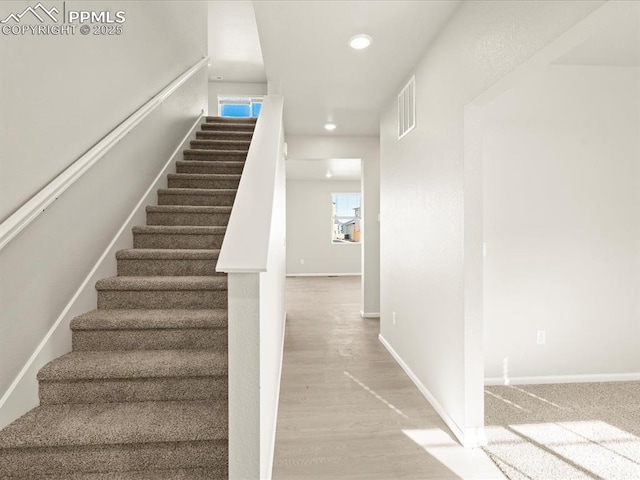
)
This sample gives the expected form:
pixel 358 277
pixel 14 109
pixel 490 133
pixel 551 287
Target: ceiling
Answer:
pixel 616 45
pixel 307 56
pixel 234 46
pixel 340 168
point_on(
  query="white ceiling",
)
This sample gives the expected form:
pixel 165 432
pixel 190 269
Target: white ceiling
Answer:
pixel 234 46
pixel 616 45
pixel 340 168
pixel 306 53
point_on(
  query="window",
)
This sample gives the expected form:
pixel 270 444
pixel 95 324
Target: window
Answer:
pixel 345 218
pixel 239 107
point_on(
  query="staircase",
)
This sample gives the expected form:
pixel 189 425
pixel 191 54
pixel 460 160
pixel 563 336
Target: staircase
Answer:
pixel 143 394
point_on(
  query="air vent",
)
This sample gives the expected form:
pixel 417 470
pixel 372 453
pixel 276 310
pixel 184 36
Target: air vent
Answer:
pixel 407 108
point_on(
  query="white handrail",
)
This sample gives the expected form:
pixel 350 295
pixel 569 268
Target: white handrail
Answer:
pixel 246 243
pixel 26 214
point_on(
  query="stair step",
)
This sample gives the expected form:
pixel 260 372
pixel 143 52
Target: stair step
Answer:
pixel 167 262
pixel 214 155
pixel 169 292
pixel 196 196
pixel 107 437
pixel 226 145
pixel 178 237
pixel 224 135
pixel 181 474
pixel 134 376
pixel 202 180
pixel 232 120
pixel 150 330
pixel 182 215
pixel 203 166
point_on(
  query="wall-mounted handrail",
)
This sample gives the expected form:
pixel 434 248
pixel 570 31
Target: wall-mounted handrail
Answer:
pixel 26 214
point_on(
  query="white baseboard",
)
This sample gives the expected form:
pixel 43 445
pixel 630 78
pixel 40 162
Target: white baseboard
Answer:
pixel 324 274
pixel 587 378
pixel 22 394
pixel 468 437
pixel 369 314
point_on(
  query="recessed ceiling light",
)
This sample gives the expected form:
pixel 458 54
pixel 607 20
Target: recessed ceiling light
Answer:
pixel 328 174
pixel 360 41
pixel 330 126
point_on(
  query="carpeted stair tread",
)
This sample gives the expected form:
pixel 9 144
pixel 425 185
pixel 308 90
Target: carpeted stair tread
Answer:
pixel 99 365
pixel 117 424
pixel 220 144
pixel 162 283
pixel 148 319
pixel 205 176
pixel 228 134
pixel 204 166
pixel 167 254
pixel 180 229
pixel 213 155
pixel 197 191
pixel 188 208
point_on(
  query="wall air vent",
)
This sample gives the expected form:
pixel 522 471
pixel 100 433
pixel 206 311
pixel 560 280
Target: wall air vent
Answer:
pixel 407 108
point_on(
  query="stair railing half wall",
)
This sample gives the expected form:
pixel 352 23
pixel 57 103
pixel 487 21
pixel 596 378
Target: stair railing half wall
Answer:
pixel 26 214
pixel 253 256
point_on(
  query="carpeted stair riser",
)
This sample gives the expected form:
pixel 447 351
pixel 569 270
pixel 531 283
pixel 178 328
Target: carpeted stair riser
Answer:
pixel 134 390
pixel 159 262
pixel 150 339
pixel 196 196
pixel 227 127
pixel 191 180
pixel 172 215
pixel 182 474
pixel 178 237
pixel 232 120
pixel 223 135
pixel 208 155
pixel 32 463
pixel 209 167
pixel 220 145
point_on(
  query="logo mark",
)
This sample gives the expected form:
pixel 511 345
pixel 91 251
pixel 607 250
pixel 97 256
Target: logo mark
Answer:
pixel 17 17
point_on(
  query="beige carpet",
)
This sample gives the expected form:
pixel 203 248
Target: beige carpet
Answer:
pixel 565 431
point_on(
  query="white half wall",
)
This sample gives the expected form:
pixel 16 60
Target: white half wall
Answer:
pixel 562 224
pixel 431 216
pixel 309 213
pixel 368 150
pixel 232 88
pixel 67 108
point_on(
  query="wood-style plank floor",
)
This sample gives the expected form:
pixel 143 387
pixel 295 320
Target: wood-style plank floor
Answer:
pixel 347 410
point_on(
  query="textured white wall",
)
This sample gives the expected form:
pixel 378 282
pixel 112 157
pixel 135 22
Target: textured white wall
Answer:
pixel 368 150
pixel 50 116
pixel 562 224
pixel 230 88
pixel 309 213
pixel 424 182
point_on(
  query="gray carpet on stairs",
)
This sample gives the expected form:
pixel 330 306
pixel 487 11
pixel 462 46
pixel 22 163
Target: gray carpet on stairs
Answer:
pixel 143 394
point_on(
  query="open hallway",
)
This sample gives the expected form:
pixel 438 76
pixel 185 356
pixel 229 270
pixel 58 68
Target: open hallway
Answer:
pixel 347 410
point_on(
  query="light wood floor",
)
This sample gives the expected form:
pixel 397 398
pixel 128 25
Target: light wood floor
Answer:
pixel 347 410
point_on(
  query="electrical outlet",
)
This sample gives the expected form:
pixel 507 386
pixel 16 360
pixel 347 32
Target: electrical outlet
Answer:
pixel 393 318
pixel 541 337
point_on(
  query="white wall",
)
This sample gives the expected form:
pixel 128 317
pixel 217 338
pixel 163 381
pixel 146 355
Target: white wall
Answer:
pixel 231 88
pixel 562 224
pixel 430 237
pixel 368 150
pixel 50 116
pixel 309 212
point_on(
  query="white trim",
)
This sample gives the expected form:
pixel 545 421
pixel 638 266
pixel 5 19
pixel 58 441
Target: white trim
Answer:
pixel 584 378
pixel 26 214
pixel 272 453
pixel 468 437
pixel 42 353
pixel 324 274
pixel 369 314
